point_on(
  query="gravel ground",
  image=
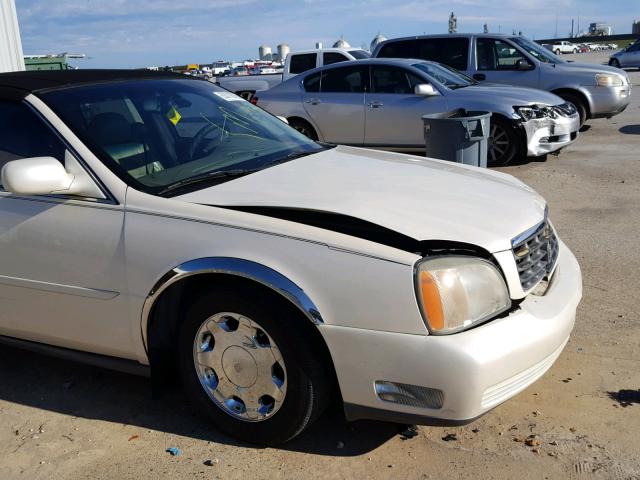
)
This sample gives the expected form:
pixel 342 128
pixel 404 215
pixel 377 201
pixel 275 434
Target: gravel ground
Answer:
pixel 63 420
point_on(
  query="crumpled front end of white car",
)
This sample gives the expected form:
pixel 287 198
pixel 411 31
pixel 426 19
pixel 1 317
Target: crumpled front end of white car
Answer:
pixel 548 128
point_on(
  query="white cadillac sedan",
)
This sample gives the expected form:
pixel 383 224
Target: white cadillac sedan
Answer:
pixel 160 225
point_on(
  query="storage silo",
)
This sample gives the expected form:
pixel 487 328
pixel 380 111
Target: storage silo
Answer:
pixel 341 43
pixel 635 28
pixel 264 52
pixel 283 51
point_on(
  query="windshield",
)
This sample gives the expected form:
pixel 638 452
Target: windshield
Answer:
pixel 536 50
pixel 159 133
pixel 447 76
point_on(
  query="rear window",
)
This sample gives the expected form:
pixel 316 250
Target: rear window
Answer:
pixel 302 62
pixel 312 83
pixel 333 57
pixel 359 54
pixel 452 51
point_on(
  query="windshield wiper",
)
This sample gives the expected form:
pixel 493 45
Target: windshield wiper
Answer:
pixel 295 154
pixel 206 177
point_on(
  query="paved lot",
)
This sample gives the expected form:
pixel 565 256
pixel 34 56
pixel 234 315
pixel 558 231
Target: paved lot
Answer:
pixel 62 420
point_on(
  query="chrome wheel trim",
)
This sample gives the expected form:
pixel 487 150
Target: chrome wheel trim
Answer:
pixel 240 367
pixel 498 142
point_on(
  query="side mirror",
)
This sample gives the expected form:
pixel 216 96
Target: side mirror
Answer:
pixel 523 65
pixel 426 90
pixel 46 176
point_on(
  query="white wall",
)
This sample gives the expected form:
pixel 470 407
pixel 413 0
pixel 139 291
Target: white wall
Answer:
pixel 11 58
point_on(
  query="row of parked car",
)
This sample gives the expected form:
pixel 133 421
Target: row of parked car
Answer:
pixel 538 101
pixel 565 46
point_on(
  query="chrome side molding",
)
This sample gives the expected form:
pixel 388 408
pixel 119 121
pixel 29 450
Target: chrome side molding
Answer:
pixel 231 266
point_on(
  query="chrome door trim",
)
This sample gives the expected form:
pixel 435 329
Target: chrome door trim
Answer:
pixel 58 288
pixel 231 266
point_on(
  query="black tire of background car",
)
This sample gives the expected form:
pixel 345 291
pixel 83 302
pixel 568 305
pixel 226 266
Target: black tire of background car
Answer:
pixel 308 380
pixel 578 103
pixel 614 62
pixel 246 94
pixel 513 147
pixel 303 127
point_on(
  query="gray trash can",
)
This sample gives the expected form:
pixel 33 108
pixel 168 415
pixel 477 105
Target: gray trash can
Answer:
pixel 458 136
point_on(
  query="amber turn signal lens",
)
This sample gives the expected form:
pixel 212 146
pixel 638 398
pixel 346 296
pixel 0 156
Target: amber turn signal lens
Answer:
pixel 431 302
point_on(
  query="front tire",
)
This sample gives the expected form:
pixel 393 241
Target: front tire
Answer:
pixel 578 103
pixel 503 144
pixel 247 365
pixel 557 52
pixel 303 127
pixel 614 62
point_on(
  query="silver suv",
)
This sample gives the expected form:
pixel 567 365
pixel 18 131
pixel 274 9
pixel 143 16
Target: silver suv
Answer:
pixel 596 90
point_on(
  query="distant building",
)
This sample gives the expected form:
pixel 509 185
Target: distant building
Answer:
pixel 453 23
pixel 599 29
pixel 635 28
pixel 341 43
pixel 11 44
pixel 376 40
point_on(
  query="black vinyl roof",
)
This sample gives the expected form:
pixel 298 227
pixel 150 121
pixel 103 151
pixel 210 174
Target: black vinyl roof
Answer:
pixel 17 85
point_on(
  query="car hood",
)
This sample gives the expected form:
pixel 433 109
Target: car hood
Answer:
pixel 420 198
pixel 588 69
pixel 499 94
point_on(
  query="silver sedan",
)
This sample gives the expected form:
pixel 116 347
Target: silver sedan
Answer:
pixel 379 103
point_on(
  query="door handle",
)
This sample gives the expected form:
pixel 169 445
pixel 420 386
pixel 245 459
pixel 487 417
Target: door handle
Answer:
pixel 480 76
pixel 376 104
pixel 313 101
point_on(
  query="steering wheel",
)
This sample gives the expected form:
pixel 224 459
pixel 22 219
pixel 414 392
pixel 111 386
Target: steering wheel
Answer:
pixel 198 143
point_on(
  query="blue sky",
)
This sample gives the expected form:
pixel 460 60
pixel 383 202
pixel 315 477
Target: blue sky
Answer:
pixel 127 33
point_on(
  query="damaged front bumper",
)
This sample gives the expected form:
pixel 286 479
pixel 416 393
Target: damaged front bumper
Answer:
pixel 547 134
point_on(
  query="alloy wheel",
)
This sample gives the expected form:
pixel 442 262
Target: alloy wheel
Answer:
pixel 240 367
pixel 499 143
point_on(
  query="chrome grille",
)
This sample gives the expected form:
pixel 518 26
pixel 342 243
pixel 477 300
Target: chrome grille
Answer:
pixel 535 254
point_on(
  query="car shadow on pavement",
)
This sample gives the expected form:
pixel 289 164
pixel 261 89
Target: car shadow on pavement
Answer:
pixel 88 392
pixel 630 129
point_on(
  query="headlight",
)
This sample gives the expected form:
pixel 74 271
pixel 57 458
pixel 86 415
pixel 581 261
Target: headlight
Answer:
pixel 608 80
pixel 535 111
pixel 455 293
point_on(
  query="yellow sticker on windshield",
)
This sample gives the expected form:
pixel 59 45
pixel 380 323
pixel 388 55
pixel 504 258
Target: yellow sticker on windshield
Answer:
pixel 174 116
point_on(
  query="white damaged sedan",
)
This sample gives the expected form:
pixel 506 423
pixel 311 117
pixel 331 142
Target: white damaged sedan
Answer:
pixel 160 225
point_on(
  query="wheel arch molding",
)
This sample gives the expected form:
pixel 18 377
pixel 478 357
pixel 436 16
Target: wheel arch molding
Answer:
pixel 233 267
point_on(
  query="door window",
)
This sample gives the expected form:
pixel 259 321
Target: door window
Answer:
pixel 302 62
pixel 387 79
pixel 344 80
pixel 23 134
pixel 312 83
pixel 494 54
pixel 452 51
pixel 333 57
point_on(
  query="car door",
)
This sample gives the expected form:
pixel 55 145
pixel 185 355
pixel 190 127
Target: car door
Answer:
pixel 631 58
pixel 61 257
pixel 497 62
pixel 337 107
pixel 393 112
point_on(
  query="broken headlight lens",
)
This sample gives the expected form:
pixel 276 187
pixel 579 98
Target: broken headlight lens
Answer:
pixel 532 112
pixel 456 292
